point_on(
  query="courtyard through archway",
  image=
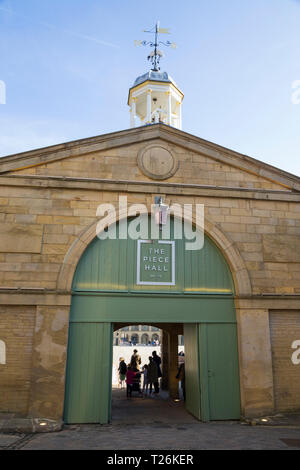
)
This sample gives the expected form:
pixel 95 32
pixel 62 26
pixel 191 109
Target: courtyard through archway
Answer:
pixel 161 407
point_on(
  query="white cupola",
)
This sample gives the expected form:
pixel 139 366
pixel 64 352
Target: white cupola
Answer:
pixel 154 96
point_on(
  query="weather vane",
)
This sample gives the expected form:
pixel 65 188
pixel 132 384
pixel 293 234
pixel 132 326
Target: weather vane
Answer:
pixel 156 54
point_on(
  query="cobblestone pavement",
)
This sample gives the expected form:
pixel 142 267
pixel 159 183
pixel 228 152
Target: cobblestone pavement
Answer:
pixel 158 436
pixel 157 424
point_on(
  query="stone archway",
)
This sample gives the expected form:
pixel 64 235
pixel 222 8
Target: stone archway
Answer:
pixel 222 241
pixel 236 263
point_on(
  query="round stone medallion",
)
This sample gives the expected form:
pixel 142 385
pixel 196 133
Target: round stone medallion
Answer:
pixel 157 162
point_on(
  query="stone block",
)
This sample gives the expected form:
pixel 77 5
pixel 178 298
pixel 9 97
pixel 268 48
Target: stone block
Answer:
pixel 239 211
pixel 250 220
pixel 265 229
pixel 22 238
pixel 54 229
pixel 54 249
pixel 65 220
pixel 261 213
pixel 252 256
pixel 229 203
pixel 234 219
pixel 25 218
pixel 264 205
pixel 44 219
pixel 18 258
pixel 281 248
pixel 230 227
pixel 57 238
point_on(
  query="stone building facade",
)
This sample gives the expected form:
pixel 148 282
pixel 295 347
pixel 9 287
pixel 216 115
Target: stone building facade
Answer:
pixel 141 334
pixel 48 203
pixel 137 334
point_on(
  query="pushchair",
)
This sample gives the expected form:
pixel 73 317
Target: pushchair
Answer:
pixel 136 386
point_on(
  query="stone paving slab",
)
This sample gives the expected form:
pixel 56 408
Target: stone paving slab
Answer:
pixel 29 425
pixel 210 436
pixel 7 440
pixel 148 409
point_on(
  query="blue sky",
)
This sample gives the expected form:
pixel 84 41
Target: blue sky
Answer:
pixel 68 64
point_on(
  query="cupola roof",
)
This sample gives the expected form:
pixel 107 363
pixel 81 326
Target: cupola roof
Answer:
pixel 156 76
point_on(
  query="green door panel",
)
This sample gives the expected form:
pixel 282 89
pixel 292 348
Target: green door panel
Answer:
pixel 219 370
pixel 111 265
pixel 88 377
pixel 192 379
pixel 144 308
pixel 212 372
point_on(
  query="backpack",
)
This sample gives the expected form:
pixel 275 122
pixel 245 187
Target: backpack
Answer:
pixel 123 368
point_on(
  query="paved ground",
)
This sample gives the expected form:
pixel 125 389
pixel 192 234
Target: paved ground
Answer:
pixel 158 424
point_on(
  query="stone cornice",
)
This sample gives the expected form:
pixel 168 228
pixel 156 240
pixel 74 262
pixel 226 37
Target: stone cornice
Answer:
pixel 178 189
pixel 144 134
pixel 34 296
pixel 45 291
pixel 269 302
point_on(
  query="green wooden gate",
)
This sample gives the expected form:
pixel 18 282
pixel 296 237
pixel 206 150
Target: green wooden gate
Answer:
pixel 212 371
pixel 200 295
pixel 88 379
pixel 219 371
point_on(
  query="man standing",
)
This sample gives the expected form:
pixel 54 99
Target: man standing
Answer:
pixel 135 361
pixel 157 361
pixel 181 376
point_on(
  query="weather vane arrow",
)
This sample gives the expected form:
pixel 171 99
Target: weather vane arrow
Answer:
pixel 156 54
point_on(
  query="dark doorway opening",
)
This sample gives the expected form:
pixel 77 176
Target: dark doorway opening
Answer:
pixel 167 406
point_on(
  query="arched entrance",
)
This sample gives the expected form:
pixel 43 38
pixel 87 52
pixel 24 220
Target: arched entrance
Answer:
pixel 118 281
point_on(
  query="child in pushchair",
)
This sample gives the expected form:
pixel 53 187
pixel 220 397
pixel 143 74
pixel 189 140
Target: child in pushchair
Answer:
pixel 133 381
pixel 136 386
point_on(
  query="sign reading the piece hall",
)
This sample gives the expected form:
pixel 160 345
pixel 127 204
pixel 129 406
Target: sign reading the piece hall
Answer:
pixel 156 262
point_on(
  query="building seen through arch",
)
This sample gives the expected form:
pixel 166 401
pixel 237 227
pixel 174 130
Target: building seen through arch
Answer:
pixel 139 334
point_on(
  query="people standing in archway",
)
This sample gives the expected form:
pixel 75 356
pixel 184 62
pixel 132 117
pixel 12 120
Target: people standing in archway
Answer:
pixel 135 361
pixel 152 374
pixel 157 361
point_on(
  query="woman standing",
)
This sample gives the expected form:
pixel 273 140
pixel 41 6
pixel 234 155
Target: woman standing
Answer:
pixel 122 371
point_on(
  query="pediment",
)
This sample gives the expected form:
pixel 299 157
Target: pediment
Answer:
pixel 150 153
